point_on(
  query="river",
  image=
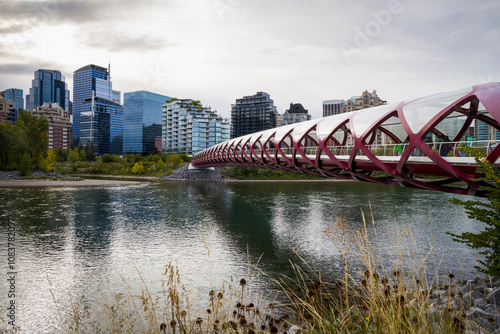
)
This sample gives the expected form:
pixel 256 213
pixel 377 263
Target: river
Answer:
pixel 75 241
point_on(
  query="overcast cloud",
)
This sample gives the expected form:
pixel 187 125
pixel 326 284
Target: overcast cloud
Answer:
pixel 219 50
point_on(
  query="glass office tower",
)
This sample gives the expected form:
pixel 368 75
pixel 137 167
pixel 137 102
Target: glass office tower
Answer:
pixel 142 113
pixel 95 116
pixel 48 86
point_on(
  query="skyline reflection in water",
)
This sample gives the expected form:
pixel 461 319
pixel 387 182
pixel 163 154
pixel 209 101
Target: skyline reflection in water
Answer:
pixel 75 242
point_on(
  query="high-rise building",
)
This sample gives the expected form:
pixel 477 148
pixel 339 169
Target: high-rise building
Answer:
pixel 188 127
pixel 48 86
pixel 252 114
pixel 60 127
pixel 8 111
pixel 96 117
pixel 16 95
pixel 142 115
pixel 332 107
pixel 365 100
pixel 295 114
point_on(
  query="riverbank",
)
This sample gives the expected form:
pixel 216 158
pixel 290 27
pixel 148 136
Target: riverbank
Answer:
pixel 66 183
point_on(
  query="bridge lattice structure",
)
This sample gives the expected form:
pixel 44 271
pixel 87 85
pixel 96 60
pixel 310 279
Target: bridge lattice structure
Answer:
pixel 398 144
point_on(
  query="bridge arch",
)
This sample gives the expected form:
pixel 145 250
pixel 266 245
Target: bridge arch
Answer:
pixel 407 142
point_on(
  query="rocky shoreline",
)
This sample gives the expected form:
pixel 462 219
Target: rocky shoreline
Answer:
pixel 184 174
pixel 476 299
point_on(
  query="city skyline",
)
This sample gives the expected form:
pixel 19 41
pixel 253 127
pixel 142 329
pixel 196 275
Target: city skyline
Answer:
pixel 219 50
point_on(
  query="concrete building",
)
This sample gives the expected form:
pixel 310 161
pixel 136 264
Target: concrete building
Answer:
pixel 295 114
pixel 252 114
pixel 188 127
pixel 365 100
pixel 332 107
pixel 8 111
pixel 60 127
pixel 142 120
pixel 15 95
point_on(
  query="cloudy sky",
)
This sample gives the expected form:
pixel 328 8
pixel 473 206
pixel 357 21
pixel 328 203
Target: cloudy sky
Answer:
pixel 219 50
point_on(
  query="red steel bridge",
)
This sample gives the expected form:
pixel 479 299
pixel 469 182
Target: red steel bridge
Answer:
pixel 398 144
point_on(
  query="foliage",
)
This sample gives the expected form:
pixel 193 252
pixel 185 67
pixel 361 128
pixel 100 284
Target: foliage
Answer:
pixel 47 163
pixel 106 158
pixel 35 132
pixel 28 136
pixel 487 240
pixel 90 151
pixel 73 155
pixel 138 168
pixel 251 173
pixel 25 166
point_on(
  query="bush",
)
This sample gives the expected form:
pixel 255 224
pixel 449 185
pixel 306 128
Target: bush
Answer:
pixel 106 158
pixel 488 213
pixel 138 168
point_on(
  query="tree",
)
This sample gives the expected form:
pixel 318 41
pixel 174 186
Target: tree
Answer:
pixel 487 240
pixel 25 165
pixel 106 158
pixel 6 144
pixel 48 163
pixel 138 168
pixel 36 134
pixel 73 156
pixel 90 151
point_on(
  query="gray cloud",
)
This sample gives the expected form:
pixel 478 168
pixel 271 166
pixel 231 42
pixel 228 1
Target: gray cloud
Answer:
pixel 121 41
pixel 17 69
pixel 78 11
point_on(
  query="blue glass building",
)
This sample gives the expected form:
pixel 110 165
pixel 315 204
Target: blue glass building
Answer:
pixel 48 86
pixel 96 117
pixel 142 113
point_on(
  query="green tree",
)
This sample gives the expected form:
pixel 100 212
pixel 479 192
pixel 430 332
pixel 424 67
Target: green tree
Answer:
pixel 90 151
pixel 138 168
pixel 82 156
pixel 488 240
pixel 160 165
pixel 106 158
pixel 36 135
pixel 6 145
pixel 115 158
pixel 25 165
pixel 47 164
pixel 73 156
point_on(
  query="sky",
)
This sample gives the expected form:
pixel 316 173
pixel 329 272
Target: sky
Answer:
pixel 217 51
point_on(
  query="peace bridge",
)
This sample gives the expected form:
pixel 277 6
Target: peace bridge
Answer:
pixel 415 143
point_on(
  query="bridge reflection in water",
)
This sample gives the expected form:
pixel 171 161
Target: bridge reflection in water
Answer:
pixel 407 141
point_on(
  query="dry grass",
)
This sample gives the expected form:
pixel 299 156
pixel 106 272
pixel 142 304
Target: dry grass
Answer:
pixel 369 298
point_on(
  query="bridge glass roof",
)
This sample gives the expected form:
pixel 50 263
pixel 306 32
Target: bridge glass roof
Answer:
pixel 327 124
pixel 419 112
pixel 362 121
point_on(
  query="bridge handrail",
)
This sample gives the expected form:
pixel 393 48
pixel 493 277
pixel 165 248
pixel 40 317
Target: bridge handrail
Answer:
pixel 442 148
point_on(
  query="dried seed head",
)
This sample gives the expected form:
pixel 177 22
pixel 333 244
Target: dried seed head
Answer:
pixel 396 273
pixel 243 282
pixel 363 282
pixel 274 329
pixel 172 323
pixel 367 273
pixel 220 295
pixel 451 276
pixel 163 326
pixel 384 280
pixel 209 311
pixel 199 321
